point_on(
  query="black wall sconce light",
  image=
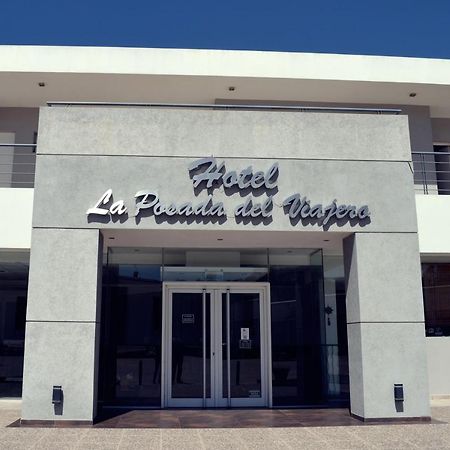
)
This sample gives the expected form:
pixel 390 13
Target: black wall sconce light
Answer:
pixel 57 395
pixel 399 395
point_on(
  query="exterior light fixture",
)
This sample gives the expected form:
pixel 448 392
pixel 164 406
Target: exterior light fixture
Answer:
pixel 57 395
pixel 41 84
pixel 231 88
pixel 398 393
pixel 220 239
pixel 412 94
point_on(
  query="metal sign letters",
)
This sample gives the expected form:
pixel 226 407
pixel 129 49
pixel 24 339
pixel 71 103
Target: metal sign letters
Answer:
pixel 207 174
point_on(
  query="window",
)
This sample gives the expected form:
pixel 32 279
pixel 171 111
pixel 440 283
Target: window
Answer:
pixel 436 296
pixel 13 304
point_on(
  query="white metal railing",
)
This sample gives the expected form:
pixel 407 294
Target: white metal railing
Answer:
pixel 432 172
pixel 17 165
pixel 251 107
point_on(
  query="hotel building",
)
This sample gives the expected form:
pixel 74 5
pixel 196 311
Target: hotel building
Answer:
pixel 223 229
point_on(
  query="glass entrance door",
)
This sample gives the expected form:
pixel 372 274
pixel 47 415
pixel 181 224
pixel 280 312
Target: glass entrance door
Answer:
pixel 216 345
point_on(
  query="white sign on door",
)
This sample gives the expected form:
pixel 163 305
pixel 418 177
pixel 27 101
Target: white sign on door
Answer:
pixel 245 333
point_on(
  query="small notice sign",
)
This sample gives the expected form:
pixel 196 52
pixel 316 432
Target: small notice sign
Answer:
pixel 245 344
pixel 254 393
pixel 187 318
pixel 245 333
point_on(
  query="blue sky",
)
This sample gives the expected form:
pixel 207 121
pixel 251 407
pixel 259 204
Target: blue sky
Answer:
pixel 373 27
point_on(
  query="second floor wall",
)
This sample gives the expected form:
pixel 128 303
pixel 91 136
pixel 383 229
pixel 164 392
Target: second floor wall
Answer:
pixel 429 139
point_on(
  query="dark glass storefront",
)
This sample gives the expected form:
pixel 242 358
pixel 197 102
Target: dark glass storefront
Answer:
pixel 436 297
pixel 303 361
pixel 130 356
pixel 309 331
pixel 13 303
pixel 309 363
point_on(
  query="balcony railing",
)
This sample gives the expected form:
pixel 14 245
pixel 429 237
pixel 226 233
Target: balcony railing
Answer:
pixel 17 165
pixel 234 106
pixel 432 172
pixel 431 169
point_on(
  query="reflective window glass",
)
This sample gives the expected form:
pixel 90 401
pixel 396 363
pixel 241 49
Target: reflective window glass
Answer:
pixel 130 353
pixel 14 268
pixel 436 297
pixel 308 349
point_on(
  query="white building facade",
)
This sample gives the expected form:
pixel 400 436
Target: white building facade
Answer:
pixel 190 228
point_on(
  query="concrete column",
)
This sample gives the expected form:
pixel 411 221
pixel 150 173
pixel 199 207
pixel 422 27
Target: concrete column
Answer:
pixel 62 330
pixel 385 322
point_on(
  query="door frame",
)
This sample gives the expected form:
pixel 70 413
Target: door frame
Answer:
pixel 266 348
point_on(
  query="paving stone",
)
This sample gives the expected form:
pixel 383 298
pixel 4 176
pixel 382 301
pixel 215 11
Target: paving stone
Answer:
pixel 180 439
pixel 97 446
pixel 259 438
pixel 138 439
pixel 221 438
pixel 139 446
pixel 331 432
pixel 15 446
pixel 55 446
pixel 357 436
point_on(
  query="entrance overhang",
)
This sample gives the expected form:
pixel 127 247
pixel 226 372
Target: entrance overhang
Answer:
pixel 329 241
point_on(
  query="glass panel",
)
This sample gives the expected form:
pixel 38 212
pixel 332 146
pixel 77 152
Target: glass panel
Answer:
pixel 436 296
pixel 130 355
pixel 138 351
pixel 309 341
pixel 135 256
pixel 187 345
pixel 215 265
pixel 296 336
pixel 13 302
pixel 137 355
pixel 245 345
pixel 215 274
pixel 335 344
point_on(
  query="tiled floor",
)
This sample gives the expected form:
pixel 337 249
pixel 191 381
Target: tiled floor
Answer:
pixel 352 436
pixel 236 418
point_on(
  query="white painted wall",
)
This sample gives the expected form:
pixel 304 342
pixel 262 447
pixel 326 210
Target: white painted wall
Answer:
pixel 16 208
pixel 438 353
pixel 433 218
pixel 200 76
pixel 281 65
pixel 433 221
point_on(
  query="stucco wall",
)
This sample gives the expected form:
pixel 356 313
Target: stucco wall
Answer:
pixel 356 159
pixel 362 158
pixel 195 133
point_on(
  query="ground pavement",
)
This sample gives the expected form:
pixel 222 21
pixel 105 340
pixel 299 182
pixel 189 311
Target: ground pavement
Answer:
pixel 434 435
